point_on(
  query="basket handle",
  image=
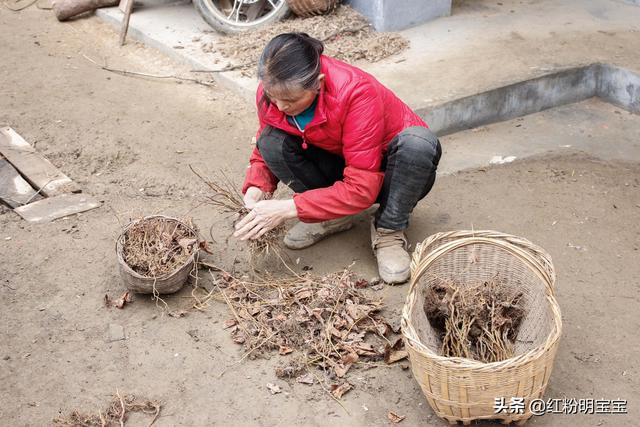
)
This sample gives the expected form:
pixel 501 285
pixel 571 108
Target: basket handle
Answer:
pixel 420 261
pixel 526 248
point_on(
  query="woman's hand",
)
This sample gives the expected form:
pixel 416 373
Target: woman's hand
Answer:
pixel 264 216
pixel 252 196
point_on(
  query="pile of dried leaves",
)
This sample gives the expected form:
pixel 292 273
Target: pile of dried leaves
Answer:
pixel 479 322
pixel 346 34
pixel 227 199
pixel 115 415
pixel 157 246
pixel 327 322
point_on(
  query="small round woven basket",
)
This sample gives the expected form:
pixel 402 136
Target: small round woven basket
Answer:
pixel 167 284
pixel 307 8
pixel 460 389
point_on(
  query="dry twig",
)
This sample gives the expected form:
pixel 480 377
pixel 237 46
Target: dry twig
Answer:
pixel 227 199
pixel 115 414
pixel 152 76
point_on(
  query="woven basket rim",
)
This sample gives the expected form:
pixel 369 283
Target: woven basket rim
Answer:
pixel 306 8
pixel 471 237
pixel 132 272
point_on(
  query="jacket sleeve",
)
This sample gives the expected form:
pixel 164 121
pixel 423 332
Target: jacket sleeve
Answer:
pixel 258 173
pixel 362 139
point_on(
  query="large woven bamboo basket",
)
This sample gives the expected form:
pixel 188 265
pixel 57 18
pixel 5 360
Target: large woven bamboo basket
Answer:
pixel 307 8
pixel 167 284
pixel 460 389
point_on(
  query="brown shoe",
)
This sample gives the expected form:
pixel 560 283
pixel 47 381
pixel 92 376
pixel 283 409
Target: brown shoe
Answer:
pixel 302 235
pixel 390 247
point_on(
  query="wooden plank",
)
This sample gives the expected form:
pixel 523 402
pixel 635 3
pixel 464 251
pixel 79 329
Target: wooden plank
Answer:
pixel 123 5
pixel 37 170
pixel 128 5
pixel 14 190
pixel 50 208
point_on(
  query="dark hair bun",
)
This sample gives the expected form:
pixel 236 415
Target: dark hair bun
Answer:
pixel 316 44
pixel 291 59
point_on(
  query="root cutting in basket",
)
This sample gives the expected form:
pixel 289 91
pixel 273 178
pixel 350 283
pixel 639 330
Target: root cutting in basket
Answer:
pixel 227 199
pixel 114 415
pixel 156 247
pixel 478 322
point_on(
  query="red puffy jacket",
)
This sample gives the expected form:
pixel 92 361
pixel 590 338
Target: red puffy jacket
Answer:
pixel 356 117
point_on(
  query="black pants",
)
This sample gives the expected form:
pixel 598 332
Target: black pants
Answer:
pixel 410 166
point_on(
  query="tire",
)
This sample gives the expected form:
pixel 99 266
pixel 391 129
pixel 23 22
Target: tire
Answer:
pixel 213 16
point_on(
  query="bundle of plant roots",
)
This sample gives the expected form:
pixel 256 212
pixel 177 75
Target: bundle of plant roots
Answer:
pixel 114 415
pixel 325 322
pixel 347 35
pixel 478 322
pixel 158 246
pixel 227 199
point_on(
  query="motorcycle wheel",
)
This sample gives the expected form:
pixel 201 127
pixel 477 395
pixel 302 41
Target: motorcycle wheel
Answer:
pixel 237 16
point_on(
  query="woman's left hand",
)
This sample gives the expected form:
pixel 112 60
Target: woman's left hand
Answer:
pixel 265 215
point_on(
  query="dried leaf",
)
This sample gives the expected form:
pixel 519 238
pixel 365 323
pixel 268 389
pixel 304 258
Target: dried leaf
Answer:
pixel 395 356
pixel 230 323
pixel 303 294
pixel 301 319
pixel 317 313
pixel 361 284
pixel 239 338
pixel 305 379
pixel 357 311
pixel 292 370
pixel 273 388
pixel 339 390
pixel 339 323
pixel 187 244
pixel 395 327
pixel 341 369
pixel 350 358
pixel 383 329
pixel 107 300
pixel 365 349
pixel 336 333
pixel 244 314
pixel 355 337
pixel 177 313
pixel 395 418
pixel 395 352
pixel 124 299
pixel 285 350
pixel 204 247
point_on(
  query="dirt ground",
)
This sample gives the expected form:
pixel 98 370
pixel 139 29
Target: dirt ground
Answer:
pixel 129 142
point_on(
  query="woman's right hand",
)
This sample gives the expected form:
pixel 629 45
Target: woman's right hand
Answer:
pixel 252 196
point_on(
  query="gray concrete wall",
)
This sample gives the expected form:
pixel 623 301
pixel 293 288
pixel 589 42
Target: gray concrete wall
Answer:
pixel 613 84
pixel 393 15
pixel 508 102
pixel 619 87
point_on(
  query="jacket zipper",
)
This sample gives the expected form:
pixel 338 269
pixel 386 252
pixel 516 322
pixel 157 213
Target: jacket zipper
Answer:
pixel 304 139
